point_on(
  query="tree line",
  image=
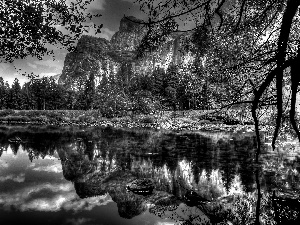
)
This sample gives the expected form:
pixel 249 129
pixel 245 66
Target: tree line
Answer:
pixel 160 89
pixel 38 94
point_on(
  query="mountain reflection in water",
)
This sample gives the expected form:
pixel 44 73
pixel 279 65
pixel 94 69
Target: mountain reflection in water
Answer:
pixel 79 176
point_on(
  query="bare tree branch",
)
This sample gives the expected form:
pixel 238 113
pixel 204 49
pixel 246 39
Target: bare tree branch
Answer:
pixel 290 11
pixel 175 15
pixel 240 15
pixel 217 11
pixel 295 79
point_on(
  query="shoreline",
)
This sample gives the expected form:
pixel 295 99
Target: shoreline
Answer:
pixel 191 120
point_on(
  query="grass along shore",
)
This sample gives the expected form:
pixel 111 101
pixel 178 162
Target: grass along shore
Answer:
pixel 179 120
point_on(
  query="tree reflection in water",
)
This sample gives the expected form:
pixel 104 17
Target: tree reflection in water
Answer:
pixel 219 169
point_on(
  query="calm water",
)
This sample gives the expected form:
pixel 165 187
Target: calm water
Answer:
pixel 78 176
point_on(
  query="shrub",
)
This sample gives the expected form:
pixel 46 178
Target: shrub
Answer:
pixel 41 119
pixel 23 113
pixel 33 113
pixel 25 119
pixel 126 119
pixel 13 118
pixel 6 112
pixel 2 119
pixel 95 113
pixel 143 103
pixel 74 120
pixel 54 116
pixel 204 121
pixel 66 119
pixel 147 119
pixel 86 118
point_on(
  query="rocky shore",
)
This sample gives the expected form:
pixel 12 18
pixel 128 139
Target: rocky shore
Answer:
pixel 176 121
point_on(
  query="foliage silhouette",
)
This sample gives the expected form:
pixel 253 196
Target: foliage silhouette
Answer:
pixel 28 26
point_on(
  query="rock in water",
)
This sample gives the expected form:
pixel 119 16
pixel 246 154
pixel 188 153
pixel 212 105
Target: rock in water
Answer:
pixel 142 186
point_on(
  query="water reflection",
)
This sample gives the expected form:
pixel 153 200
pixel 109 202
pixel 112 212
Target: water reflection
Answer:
pixel 86 170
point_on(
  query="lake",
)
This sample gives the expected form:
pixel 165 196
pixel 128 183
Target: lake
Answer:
pixel 79 176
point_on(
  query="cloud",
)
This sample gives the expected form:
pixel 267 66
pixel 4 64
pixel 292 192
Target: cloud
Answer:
pixel 48 74
pixel 10 79
pixel 94 5
pixel 16 178
pixel 50 198
pixel 97 5
pixel 3 164
pixel 43 204
pixel 106 33
pixel 31 65
pixel 4 67
pixel 77 204
pixel 52 168
pixel 48 63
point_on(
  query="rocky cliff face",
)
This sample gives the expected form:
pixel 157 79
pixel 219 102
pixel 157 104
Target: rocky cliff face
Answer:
pixel 91 54
pixel 129 35
pixel 105 58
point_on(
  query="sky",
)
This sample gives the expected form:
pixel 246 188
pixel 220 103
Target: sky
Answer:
pixel 112 12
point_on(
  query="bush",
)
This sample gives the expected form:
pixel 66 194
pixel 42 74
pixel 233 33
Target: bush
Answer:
pixel 95 113
pixel 86 118
pixel 41 119
pixel 74 120
pixel 25 119
pixel 31 113
pixel 126 119
pixel 6 112
pixel 66 119
pixel 147 119
pixel 54 116
pixel 23 113
pixel 143 103
pixel 110 112
pixel 15 118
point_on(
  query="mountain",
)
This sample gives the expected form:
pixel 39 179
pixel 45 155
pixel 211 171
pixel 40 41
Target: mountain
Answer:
pixel 95 58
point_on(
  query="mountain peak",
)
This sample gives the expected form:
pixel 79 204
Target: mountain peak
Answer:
pixel 129 24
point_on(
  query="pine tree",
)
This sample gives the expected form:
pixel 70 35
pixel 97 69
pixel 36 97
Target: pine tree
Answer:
pixel 28 99
pixel 124 76
pixel 158 81
pixel 172 77
pixel 3 94
pixel 15 95
pixel 171 84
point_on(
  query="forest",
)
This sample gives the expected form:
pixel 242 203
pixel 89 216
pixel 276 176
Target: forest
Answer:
pixel 144 94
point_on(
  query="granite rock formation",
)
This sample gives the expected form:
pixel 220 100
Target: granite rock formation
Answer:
pixel 105 58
